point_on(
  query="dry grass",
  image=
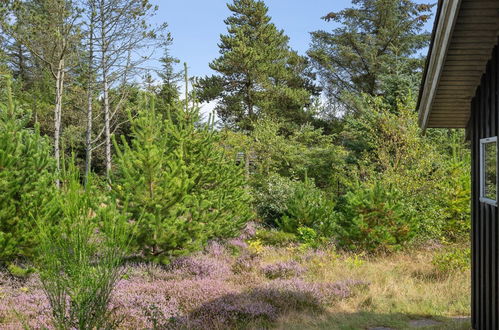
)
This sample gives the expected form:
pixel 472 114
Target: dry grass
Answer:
pixel 403 287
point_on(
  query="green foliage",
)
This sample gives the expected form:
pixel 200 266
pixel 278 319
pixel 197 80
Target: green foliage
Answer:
pixel 429 172
pixel 271 197
pixel 293 152
pixel 309 210
pixel 452 260
pixel 80 254
pixel 309 237
pixel 373 219
pixel 275 237
pixel 26 181
pixel 177 180
pixel 374 50
pixel 20 271
pixel 258 72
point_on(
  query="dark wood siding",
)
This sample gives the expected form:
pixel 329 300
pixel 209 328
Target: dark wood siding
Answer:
pixel 484 123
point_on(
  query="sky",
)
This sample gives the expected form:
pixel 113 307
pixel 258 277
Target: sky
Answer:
pixel 196 25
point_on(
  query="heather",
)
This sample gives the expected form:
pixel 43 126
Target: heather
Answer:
pixel 329 286
pixel 309 193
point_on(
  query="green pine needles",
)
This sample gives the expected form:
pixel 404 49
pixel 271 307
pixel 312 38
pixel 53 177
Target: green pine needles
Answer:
pixel 26 181
pixel 176 178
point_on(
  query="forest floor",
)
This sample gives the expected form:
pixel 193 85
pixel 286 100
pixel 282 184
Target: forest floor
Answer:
pixel 253 286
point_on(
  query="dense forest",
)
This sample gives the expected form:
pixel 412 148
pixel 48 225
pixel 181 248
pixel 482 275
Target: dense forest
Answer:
pixel 105 160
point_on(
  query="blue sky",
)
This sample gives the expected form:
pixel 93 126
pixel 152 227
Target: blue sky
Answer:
pixel 197 24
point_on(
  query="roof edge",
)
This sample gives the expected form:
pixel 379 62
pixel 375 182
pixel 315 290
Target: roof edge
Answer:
pixel 442 32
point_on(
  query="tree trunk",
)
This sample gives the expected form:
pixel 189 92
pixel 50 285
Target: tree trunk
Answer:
pixel 107 125
pixel 88 137
pixel 105 86
pixel 57 115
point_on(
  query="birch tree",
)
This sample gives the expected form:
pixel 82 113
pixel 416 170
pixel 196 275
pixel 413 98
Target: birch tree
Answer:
pixel 49 30
pixel 90 6
pixel 123 38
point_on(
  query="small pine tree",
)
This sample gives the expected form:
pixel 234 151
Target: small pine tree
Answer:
pixel 26 181
pixel 178 183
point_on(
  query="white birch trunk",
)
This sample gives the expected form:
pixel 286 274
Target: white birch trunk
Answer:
pixel 58 115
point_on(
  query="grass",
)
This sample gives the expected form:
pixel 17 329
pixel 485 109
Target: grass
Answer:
pixel 403 287
pixel 207 293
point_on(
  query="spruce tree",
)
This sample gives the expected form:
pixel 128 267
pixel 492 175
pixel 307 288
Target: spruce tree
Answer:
pixel 170 78
pixel 375 50
pixel 26 181
pixel 177 182
pixel 258 73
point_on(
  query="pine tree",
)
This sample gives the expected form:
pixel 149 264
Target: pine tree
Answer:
pixel 48 29
pixel 178 183
pixel 170 78
pixel 26 181
pixel 375 50
pixel 258 72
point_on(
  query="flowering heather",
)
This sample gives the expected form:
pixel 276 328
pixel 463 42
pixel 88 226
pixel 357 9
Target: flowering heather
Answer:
pixel 245 263
pixel 24 305
pixel 215 249
pixel 202 291
pixel 249 231
pixel 238 243
pixel 231 309
pixel 200 266
pixel 285 269
pixel 267 302
pixel 299 292
pixel 135 300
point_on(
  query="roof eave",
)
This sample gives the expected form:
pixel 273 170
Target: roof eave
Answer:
pixel 442 33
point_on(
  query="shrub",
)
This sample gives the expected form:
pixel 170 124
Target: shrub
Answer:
pixel 275 237
pixel 309 207
pixel 80 255
pixel 375 220
pixel 200 266
pixel 245 263
pixel 26 182
pixel 429 171
pixel 283 270
pixel 177 181
pixel 271 197
pixel 452 260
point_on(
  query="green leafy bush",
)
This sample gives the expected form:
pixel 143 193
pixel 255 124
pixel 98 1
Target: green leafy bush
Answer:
pixel 275 237
pixel 177 180
pixel 430 172
pixel 271 197
pixel 375 220
pixel 26 182
pixel 452 260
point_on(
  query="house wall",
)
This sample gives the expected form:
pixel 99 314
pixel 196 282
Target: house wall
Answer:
pixel 484 123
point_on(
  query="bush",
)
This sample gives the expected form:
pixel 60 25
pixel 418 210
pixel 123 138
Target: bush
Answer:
pixel 178 184
pixel 275 237
pixel 429 171
pixel 309 207
pixel 271 197
pixel 452 260
pixel 80 256
pixel 375 220
pixel 26 182
pixel 283 270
